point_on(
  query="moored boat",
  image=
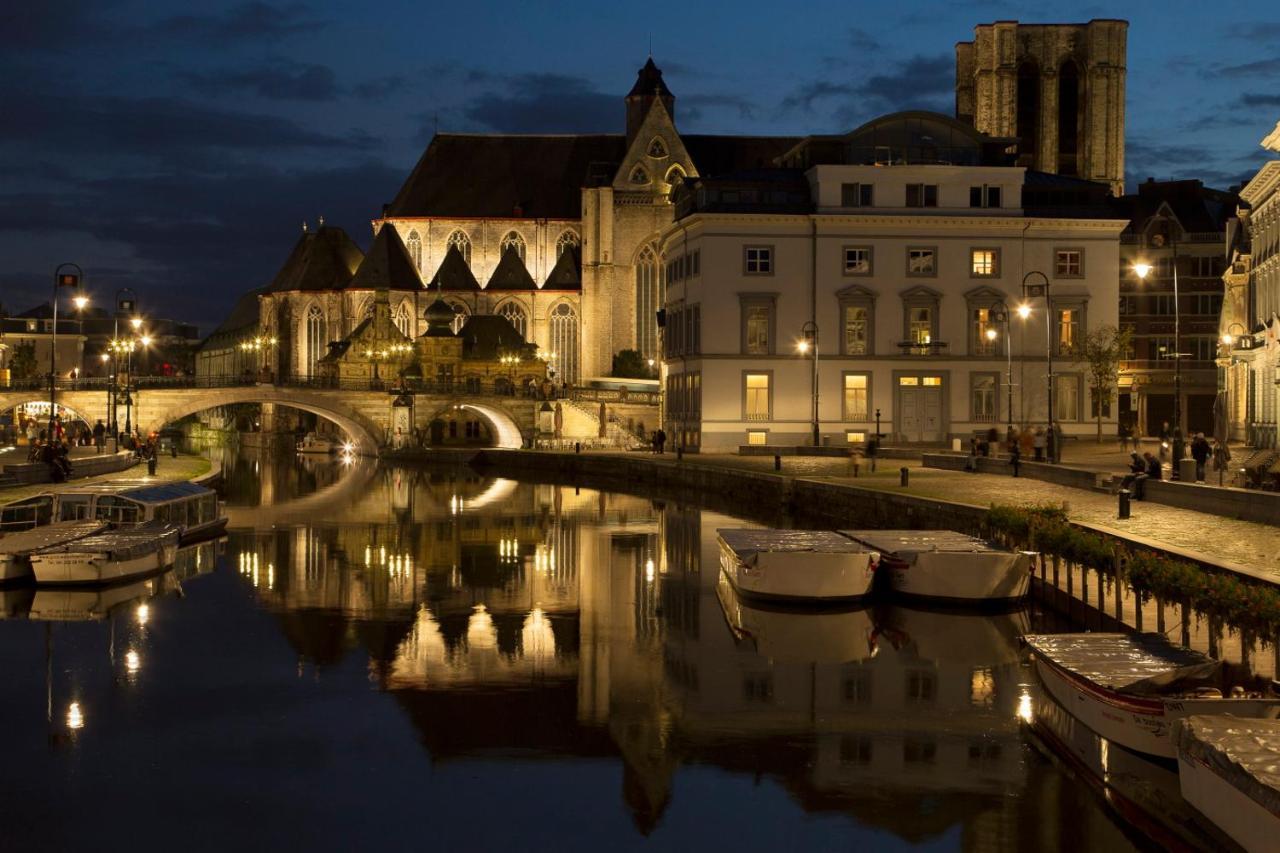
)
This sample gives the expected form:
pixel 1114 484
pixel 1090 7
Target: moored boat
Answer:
pixel 1131 688
pixel 320 444
pixel 796 566
pixel 1229 769
pixel 16 548
pixel 114 555
pixel 192 508
pixel 947 567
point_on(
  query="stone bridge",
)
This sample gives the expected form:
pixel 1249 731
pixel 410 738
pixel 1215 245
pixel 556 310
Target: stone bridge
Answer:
pixel 365 415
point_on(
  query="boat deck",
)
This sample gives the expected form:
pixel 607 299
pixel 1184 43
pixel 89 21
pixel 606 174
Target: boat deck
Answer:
pixel 1244 751
pixel 124 540
pixel 47 536
pixel 1116 661
pixel 908 541
pixel 746 542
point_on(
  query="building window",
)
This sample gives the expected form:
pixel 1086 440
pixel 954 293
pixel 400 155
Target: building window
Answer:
pixel 984 331
pixel 1068 330
pixel 1068 263
pixel 564 341
pixel 1128 305
pixel 983 398
pixel 855 195
pixel 920 321
pixel 857 329
pixel 695 262
pixel 984 263
pixel 920 324
pixel 567 240
pixel 922 687
pixel 516 316
pixel 460 315
pixel 414 245
pixel 856 396
pixel 317 338
pixel 513 240
pixel 639 175
pixel 758 260
pixel 757 325
pixel 460 241
pixel 757 437
pixel 649 298
pixel 1163 304
pixel 402 319
pixel 1208 304
pixel 675 175
pixel 852 436
pixel 857 260
pixel 922 261
pixel 1066 397
pixel 756 400
pixel 922 195
pixel 984 196
pixel 657 148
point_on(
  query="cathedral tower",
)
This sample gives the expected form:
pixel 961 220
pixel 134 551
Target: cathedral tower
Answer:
pixel 1059 88
pixel 648 88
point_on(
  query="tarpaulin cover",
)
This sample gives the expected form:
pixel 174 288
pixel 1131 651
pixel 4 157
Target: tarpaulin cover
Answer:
pixel 749 542
pixel 908 541
pixel 1244 751
pixel 1138 664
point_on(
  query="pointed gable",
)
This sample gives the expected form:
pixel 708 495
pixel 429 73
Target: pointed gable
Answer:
pixel 324 259
pixel 511 274
pixel 567 273
pixel 655 147
pixel 454 274
pixel 387 265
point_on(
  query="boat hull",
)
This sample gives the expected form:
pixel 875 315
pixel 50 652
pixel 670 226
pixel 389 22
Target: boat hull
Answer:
pixel 14 568
pixel 204 532
pixel 801 577
pixel 989 577
pixel 72 567
pixel 1142 724
pixel 1230 809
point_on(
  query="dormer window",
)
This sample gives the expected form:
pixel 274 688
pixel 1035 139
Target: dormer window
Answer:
pixel 657 148
pixel 639 175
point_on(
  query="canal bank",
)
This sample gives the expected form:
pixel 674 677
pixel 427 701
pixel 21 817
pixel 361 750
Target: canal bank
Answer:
pixel 823 493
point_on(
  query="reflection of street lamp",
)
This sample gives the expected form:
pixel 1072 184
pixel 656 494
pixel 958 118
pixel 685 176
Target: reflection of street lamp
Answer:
pixel 808 344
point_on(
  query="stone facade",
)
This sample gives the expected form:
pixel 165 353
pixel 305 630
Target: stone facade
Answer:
pixel 1020 80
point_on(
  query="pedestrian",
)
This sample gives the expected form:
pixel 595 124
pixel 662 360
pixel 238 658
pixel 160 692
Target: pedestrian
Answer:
pixel 1015 457
pixel 1137 468
pixel 662 441
pixel 1179 448
pixel 873 449
pixel 1200 451
pixel 1221 458
pixel 1123 429
pixel 1164 440
pixel 1038 442
pixel 971 462
pixel 33 432
pixel 99 436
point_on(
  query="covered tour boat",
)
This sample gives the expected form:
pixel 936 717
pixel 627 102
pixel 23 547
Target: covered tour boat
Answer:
pixel 948 567
pixel 1229 769
pixel 1131 688
pixel 319 444
pixel 16 548
pixel 796 566
pixel 192 508
pixel 114 555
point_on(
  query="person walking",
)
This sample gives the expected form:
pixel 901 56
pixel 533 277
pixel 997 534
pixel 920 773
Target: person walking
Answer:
pixel 1200 451
pixel 1015 457
pixel 99 436
pixel 1038 442
pixel 1123 431
pixel 662 441
pixel 1164 440
pixel 971 463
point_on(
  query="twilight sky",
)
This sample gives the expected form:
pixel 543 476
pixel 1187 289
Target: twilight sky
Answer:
pixel 177 147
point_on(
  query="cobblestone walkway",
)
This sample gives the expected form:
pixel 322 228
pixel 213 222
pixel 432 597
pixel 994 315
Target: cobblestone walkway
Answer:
pixel 168 469
pixel 1244 542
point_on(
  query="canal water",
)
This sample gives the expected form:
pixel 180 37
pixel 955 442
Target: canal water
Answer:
pixel 395 658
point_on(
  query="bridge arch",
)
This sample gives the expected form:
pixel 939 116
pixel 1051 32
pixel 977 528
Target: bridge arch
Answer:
pixel 506 432
pixel 362 431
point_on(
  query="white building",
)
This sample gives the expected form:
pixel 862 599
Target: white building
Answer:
pixel 903 247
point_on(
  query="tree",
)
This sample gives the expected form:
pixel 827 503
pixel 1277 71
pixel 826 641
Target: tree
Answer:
pixel 22 364
pixel 1102 351
pixel 630 364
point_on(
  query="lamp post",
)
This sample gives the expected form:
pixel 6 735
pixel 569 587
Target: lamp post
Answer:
pixel 808 344
pixel 999 313
pixel 1142 270
pixel 1030 291
pixel 62 277
pixel 1230 340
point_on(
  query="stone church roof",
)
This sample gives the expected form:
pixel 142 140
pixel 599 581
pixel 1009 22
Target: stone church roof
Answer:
pixel 324 259
pixel 454 274
pixel 477 175
pixel 510 273
pixel 649 81
pixel 567 273
pixel 244 317
pixel 387 265
pixel 487 336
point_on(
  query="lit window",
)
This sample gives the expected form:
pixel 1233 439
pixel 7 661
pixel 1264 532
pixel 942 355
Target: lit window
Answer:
pixel 983 342
pixel 909 381
pixel 920 327
pixel 757 437
pixel 854 437
pixel 855 396
pixel 757 396
pixel 984 262
pixel 759 260
pixel 1068 330
pixel 931 381
pixel 855 330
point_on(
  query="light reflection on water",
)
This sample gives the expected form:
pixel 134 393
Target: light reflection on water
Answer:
pixel 521 664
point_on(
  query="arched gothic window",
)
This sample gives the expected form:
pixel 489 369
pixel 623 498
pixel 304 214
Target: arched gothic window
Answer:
pixel 316 339
pixel 463 244
pixel 639 175
pixel 401 319
pixel 460 315
pixel 657 148
pixel 513 240
pixel 414 245
pixel 674 175
pixel 648 300
pixel 564 342
pixel 516 316
pixel 568 239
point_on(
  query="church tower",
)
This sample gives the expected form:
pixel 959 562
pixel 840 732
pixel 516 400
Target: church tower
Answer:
pixel 648 88
pixel 1058 88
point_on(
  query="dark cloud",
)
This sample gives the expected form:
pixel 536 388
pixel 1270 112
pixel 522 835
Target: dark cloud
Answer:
pixel 545 103
pixel 254 21
pixel 807 95
pixel 696 107
pixel 1260 99
pixel 379 88
pixel 58 25
pixel 1263 31
pixel 1158 155
pixel 921 82
pixel 279 81
pixel 1261 68
pixel 860 39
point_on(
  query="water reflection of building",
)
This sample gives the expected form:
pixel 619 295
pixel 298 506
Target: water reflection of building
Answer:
pixel 551 622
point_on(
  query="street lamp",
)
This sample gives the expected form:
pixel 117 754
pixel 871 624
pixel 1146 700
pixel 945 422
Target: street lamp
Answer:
pixel 1142 269
pixel 1030 291
pixel 808 344
pixel 62 277
pixel 999 313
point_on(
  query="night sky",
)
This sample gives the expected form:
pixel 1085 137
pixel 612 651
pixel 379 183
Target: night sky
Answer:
pixel 177 148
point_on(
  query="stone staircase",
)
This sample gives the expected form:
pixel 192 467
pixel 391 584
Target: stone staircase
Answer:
pixel 582 423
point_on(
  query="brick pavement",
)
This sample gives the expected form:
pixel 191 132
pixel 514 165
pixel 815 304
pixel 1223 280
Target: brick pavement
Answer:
pixel 1248 543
